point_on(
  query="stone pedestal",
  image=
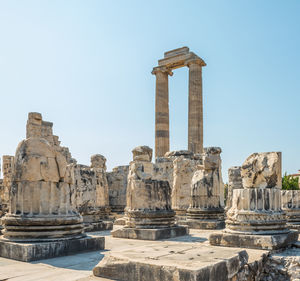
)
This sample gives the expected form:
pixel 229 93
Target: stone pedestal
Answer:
pixel 148 211
pixel 256 219
pixel 290 200
pixel 206 210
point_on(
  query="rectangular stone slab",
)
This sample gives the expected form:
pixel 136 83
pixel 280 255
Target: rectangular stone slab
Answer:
pixel 169 261
pixel 150 234
pixel 265 242
pixel 44 250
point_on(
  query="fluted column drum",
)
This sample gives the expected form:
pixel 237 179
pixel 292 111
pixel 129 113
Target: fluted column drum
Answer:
pixel 256 211
pixel 40 205
pixel 290 202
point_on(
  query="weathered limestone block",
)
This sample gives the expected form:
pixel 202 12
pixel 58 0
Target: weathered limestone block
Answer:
pixel 40 195
pixel 98 165
pixel 163 169
pixel 256 219
pixel 90 194
pixel 117 186
pixel 142 153
pixel 234 182
pixel 262 170
pixel 148 209
pixel 8 167
pixel 290 200
pixel 206 209
pixel 183 170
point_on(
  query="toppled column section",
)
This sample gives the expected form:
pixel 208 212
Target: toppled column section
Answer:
pixel 234 182
pixel 206 209
pixel 148 211
pixel 256 219
pixel 291 206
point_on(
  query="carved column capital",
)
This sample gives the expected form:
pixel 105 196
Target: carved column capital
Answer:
pixel 161 69
pixel 194 61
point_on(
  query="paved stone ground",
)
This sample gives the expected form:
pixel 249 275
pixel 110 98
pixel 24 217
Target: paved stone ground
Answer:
pixel 80 266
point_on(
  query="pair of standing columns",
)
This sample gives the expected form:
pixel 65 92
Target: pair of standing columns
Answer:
pixel 195 115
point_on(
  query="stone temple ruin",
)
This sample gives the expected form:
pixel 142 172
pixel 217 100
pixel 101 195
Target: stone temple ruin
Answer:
pixel 52 206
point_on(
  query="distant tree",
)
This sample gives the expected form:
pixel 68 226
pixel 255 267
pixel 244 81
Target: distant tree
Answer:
pixel 289 182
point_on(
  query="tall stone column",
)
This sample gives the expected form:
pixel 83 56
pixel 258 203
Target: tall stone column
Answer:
pixel 195 118
pixel 162 142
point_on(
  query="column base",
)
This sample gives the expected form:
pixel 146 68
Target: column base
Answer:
pixel 294 226
pixel 150 234
pixel 33 251
pixel 98 226
pixel 252 241
pixel 120 221
pixel 205 224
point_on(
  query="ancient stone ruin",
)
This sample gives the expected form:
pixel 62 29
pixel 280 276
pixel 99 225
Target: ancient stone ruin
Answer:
pixel 206 210
pixel 255 219
pixel 90 194
pixel 148 211
pixel 48 203
pixel 290 200
pixel 234 182
pixel 175 59
pixel 40 209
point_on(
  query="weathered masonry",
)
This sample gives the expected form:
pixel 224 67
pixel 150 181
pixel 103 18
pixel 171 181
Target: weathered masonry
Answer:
pixel 175 59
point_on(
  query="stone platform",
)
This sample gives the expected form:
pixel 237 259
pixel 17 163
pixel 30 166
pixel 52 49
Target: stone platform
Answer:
pixel 26 251
pixel 266 242
pixel 208 224
pixel 78 267
pixel 150 234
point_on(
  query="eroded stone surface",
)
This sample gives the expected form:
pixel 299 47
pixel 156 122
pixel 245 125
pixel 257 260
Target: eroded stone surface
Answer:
pixel 256 214
pixel 207 192
pixel 290 200
pixel 117 186
pixel 262 170
pixel 234 182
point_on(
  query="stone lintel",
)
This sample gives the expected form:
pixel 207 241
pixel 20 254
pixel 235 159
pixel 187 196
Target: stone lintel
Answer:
pixel 150 234
pixel 44 250
pixel 175 52
pixel 180 60
pixel 264 242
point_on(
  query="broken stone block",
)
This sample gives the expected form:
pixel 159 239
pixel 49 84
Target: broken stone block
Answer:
pixel 148 209
pixel 142 153
pixel 206 210
pixel 262 170
pixel 256 219
pixel 290 200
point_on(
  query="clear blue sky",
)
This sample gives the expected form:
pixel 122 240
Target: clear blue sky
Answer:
pixel 86 66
